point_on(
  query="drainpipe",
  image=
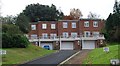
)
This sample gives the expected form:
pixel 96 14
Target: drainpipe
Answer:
pixel 82 42
pixel 39 41
pixel 60 41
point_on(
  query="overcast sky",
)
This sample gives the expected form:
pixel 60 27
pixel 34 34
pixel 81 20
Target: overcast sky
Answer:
pixel 100 7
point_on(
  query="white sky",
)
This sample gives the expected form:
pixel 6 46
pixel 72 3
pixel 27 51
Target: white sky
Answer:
pixel 100 7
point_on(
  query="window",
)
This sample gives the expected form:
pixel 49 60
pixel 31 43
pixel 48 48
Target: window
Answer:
pixel 95 24
pixel 65 34
pixel 65 25
pixel 33 27
pixel 86 24
pixel 73 34
pixel 73 25
pixel 52 26
pixel 87 33
pixel 95 34
pixel 45 35
pixel 53 35
pixel 34 36
pixel 44 26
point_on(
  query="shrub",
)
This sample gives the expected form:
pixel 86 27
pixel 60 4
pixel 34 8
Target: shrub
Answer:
pixel 15 40
pixel 13 37
pixel 6 41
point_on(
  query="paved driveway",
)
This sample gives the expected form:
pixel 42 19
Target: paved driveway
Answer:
pixel 54 58
pixel 79 58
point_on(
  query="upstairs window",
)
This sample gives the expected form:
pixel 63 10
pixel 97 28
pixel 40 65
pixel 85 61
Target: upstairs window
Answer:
pixel 44 26
pixel 53 26
pixel 65 25
pixel 95 24
pixel 74 25
pixel 86 24
pixel 33 27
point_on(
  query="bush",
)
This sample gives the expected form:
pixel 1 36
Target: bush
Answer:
pixel 15 40
pixel 6 41
pixel 13 37
pixel 21 42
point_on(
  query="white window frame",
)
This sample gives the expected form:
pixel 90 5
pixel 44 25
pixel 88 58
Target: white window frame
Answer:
pixel 34 36
pixel 44 35
pixel 74 34
pixel 65 25
pixel 33 27
pixel 53 26
pixel 95 24
pixel 86 24
pixel 65 35
pixel 74 25
pixel 53 35
pixel 44 26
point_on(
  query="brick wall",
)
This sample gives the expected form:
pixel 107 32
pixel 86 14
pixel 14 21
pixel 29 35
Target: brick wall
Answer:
pixel 69 29
pixel 59 27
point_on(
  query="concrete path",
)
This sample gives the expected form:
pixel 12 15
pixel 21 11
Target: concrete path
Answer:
pixel 78 59
pixel 54 58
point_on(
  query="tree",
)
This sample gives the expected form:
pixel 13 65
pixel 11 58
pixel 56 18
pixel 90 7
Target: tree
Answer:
pixel 11 29
pixel 112 25
pixel 23 23
pixel 38 12
pixel 93 15
pixel 116 8
pixel 75 13
pixel 8 19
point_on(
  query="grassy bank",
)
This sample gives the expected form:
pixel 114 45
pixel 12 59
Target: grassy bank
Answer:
pixel 21 55
pixel 98 56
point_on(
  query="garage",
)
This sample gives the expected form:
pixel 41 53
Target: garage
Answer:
pixel 88 44
pixel 66 46
pixel 48 46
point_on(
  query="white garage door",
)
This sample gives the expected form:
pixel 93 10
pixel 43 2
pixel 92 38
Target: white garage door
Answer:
pixel 47 45
pixel 88 45
pixel 66 46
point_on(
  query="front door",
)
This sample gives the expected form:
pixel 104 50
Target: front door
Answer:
pixel 87 33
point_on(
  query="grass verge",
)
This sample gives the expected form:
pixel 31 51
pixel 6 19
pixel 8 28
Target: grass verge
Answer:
pixel 21 55
pixel 98 56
